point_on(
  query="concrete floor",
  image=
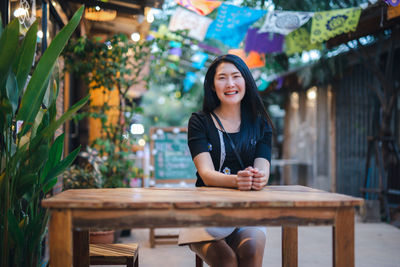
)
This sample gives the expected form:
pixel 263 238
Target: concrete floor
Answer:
pixel 376 245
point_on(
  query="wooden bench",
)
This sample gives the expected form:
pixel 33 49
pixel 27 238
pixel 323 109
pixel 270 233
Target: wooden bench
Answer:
pixel 114 254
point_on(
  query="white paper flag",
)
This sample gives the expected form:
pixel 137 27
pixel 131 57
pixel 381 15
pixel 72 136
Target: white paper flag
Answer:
pixel 284 22
pixel 183 19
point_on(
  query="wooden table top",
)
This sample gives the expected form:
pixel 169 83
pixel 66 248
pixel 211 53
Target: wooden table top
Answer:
pixel 200 197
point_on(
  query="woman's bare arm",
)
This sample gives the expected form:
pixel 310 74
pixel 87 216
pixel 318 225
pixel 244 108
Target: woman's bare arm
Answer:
pixel 211 177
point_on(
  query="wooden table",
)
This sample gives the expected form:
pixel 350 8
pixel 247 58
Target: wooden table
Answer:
pixel 74 212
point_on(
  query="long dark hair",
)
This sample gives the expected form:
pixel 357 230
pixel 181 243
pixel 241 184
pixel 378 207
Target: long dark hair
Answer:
pixel 252 107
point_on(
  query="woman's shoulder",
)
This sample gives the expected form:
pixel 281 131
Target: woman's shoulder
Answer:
pixel 200 122
pixel 199 116
pixel 199 113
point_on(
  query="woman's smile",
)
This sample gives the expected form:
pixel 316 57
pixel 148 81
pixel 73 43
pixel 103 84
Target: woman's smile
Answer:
pixel 231 92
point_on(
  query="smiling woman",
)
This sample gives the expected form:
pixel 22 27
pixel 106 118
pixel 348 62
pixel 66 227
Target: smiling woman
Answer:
pixel 230 143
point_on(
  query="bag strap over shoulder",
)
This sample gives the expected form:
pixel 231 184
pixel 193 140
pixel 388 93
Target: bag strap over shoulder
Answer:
pixel 230 140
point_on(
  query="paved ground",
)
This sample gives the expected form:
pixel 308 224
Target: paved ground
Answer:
pixel 376 245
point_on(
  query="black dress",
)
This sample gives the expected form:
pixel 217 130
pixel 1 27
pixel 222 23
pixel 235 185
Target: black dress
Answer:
pixel 203 136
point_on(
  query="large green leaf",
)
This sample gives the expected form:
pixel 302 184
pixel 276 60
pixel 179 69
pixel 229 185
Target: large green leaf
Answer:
pixel 36 229
pixel 27 124
pixel 62 165
pixel 1 25
pixel 38 156
pixel 8 48
pixel 25 55
pixel 25 183
pixel 49 185
pixel 15 232
pixel 12 91
pixel 49 130
pixel 39 120
pixel 54 156
pixel 33 96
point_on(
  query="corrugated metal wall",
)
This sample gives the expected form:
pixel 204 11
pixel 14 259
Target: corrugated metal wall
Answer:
pixel 354 115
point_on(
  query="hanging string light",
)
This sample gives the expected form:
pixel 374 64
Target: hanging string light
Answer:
pixel 98 14
pixel 22 13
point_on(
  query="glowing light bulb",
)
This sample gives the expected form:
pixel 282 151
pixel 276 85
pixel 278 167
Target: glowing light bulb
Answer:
pixel 135 36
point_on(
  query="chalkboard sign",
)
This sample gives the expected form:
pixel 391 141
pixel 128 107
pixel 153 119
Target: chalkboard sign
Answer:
pixel 170 154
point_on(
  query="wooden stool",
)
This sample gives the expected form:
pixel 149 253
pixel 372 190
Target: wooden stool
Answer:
pixel 114 254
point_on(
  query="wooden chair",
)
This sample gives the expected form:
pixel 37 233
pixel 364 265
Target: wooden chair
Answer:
pixel 166 239
pixel 114 254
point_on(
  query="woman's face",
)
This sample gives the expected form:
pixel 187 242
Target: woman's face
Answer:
pixel 229 84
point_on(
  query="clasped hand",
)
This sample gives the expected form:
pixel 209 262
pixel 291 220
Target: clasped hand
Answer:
pixel 251 178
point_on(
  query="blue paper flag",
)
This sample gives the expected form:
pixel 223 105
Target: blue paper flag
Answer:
pixel 199 59
pixel 175 44
pixel 262 84
pixel 232 23
pixel 189 81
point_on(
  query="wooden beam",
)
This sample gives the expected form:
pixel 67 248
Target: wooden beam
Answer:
pixel 134 10
pixel 372 20
pixel 148 3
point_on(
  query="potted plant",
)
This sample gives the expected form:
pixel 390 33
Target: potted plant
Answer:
pixel 30 158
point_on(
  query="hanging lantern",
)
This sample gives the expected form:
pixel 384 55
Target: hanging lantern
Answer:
pixel 98 14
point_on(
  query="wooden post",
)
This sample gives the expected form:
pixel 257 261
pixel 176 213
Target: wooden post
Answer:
pixel 60 236
pixel 343 238
pixel 332 136
pixel 289 246
pixel 81 249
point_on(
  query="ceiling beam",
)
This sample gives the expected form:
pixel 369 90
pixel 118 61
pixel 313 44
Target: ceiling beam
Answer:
pixel 147 3
pixel 132 9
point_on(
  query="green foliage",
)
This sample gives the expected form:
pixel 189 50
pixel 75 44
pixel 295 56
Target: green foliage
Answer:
pixel 164 108
pixel 30 160
pixel 115 64
pixel 166 104
pixel 77 177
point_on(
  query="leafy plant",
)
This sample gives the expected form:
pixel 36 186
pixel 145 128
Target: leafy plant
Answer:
pixel 30 160
pixel 77 177
pixel 113 64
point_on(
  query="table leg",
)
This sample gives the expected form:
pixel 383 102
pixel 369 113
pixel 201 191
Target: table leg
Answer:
pixel 343 238
pixel 60 237
pixel 152 238
pixel 289 246
pixel 81 248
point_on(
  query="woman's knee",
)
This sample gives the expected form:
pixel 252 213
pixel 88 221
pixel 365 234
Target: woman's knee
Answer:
pixel 216 253
pixel 252 246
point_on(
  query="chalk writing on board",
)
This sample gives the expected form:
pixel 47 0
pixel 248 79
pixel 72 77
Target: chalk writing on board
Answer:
pixel 172 158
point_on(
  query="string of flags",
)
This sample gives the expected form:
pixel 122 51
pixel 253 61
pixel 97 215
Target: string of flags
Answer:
pixel 262 32
pixel 233 24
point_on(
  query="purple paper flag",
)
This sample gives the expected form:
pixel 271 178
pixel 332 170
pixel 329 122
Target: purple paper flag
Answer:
pixel 279 83
pixel 177 51
pixel 393 2
pixel 263 42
